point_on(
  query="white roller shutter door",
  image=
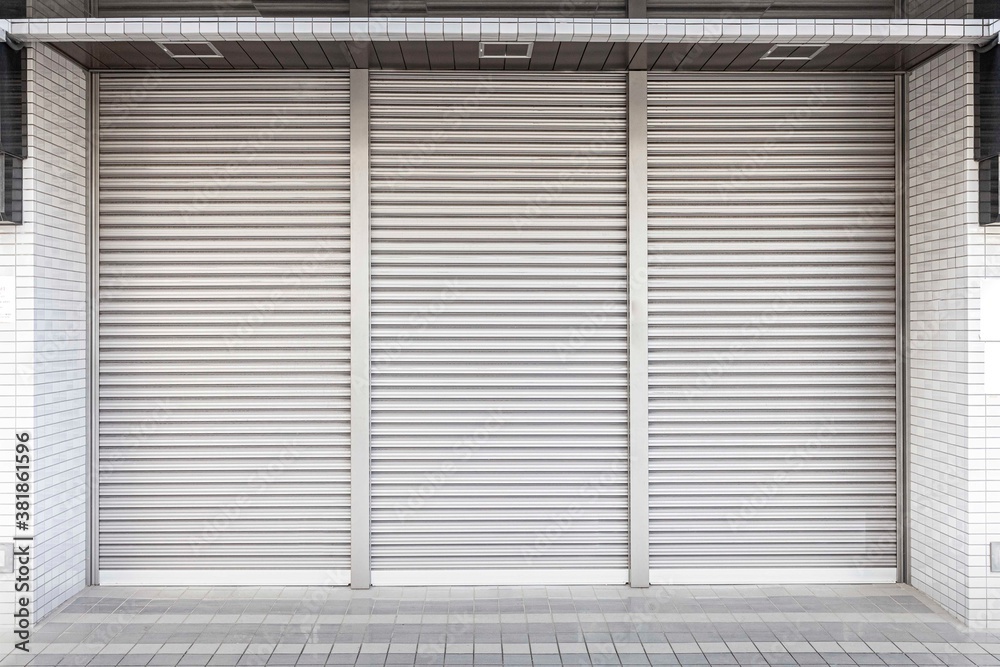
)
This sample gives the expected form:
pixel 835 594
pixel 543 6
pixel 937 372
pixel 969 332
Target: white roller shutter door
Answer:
pixel 499 432
pixel 772 328
pixel 224 334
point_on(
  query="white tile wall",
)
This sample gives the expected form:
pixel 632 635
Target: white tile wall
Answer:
pixel 988 512
pixel 55 204
pixel 47 256
pixel 9 391
pixel 955 466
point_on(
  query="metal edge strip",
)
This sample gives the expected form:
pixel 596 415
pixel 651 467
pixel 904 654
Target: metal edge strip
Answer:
pixel 773 575
pixel 224 577
pixel 501 577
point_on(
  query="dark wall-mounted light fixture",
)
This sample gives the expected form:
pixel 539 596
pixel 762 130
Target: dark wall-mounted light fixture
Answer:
pixel 13 9
pixel 987 106
pixel 11 139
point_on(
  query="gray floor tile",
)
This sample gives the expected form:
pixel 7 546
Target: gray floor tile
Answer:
pixel 164 660
pixel 662 660
pixel 599 618
pixel 691 659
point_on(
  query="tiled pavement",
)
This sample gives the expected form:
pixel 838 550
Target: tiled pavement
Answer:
pixel 730 625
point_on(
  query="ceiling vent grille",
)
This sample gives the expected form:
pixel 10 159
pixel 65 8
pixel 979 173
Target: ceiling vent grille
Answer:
pixel 181 50
pixel 506 50
pixel 794 51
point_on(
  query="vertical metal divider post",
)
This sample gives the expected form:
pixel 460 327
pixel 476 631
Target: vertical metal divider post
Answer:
pixel 360 334
pixel 638 332
pixel 92 459
pixel 637 53
pixel 902 337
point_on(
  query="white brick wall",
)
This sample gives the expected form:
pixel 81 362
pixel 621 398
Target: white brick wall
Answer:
pixel 955 471
pixel 9 390
pixel 55 204
pixel 991 452
pixel 47 256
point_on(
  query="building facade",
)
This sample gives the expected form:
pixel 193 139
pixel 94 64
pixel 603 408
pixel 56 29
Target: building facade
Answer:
pixel 469 294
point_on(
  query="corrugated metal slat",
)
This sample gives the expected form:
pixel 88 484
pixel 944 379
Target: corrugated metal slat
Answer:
pixel 772 322
pixel 498 322
pixel 224 311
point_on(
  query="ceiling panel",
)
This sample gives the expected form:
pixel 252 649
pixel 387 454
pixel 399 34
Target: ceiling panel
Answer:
pixel 520 8
pixel 261 55
pixel 569 56
pixel 671 56
pixel 760 65
pixel 441 55
pixel 84 56
pixel 855 9
pixel 827 56
pixel 724 55
pixel 880 55
pixel 912 54
pixel 389 55
pixel 747 57
pixel 313 55
pixel 131 8
pixel 415 55
pixel 565 56
pixel 235 54
pixel 698 57
pixel 303 7
pixel 287 55
pixel 543 57
pixel 595 55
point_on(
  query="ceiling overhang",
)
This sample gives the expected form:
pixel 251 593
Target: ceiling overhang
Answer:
pixel 698 44
pixel 632 31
